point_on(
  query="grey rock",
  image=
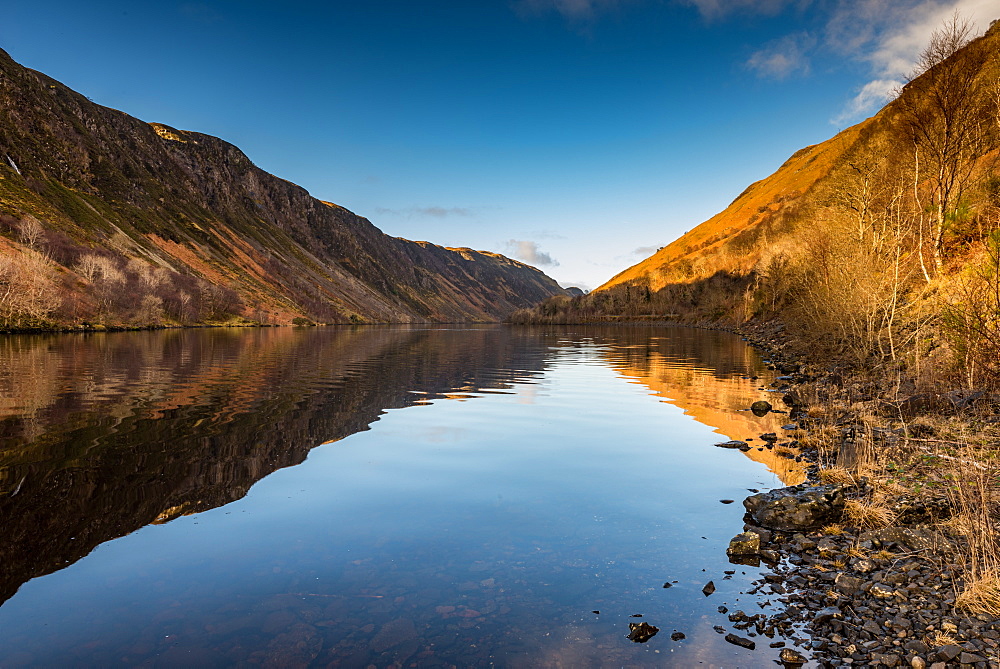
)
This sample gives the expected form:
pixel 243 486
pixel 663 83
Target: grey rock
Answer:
pixel 800 507
pixel 913 538
pixel 887 659
pixel 849 585
pixel 733 444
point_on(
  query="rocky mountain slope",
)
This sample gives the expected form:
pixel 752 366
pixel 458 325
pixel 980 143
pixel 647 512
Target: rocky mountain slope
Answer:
pixel 107 219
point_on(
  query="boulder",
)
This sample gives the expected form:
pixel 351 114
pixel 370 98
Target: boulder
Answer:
pixel 800 507
pixel 747 543
pixel 760 408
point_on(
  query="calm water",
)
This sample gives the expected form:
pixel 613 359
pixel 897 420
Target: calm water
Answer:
pixel 376 496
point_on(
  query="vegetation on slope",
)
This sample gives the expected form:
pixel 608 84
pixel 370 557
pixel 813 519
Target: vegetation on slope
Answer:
pixel 870 264
pixel 106 219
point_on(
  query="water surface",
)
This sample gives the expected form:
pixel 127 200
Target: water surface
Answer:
pixel 376 495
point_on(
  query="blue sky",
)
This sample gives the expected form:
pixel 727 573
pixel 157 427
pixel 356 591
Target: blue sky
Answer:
pixel 577 135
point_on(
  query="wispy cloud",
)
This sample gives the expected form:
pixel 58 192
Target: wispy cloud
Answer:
pixel 434 212
pixel 889 35
pixel 717 9
pixel 529 252
pixel 574 11
pixel 783 57
pixel 645 250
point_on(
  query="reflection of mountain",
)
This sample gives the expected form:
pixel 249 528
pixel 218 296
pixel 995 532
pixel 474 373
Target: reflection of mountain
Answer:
pixel 704 373
pixel 103 434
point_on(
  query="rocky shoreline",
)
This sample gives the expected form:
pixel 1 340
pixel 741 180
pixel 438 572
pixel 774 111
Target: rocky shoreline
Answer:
pixel 854 594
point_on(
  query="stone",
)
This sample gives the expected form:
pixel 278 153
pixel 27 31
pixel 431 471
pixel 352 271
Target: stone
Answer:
pixel 882 591
pixel 709 588
pixel 747 543
pixel 828 613
pixel 949 652
pixel 970 658
pixel 760 408
pixel 913 538
pixel 886 659
pixel 641 632
pixel 733 444
pixel 791 657
pixel 677 636
pixel 741 641
pixel 849 585
pixel 917 662
pixel 800 507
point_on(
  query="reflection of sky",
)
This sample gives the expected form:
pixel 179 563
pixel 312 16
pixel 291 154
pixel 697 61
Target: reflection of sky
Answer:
pixel 589 497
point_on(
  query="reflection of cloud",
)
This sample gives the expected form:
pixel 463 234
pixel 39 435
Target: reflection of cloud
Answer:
pixel 436 212
pixel 529 252
pixel 782 57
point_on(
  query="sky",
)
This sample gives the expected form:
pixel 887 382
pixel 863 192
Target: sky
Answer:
pixel 575 135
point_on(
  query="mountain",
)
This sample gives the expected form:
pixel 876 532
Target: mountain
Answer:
pixel 847 175
pixel 862 246
pixel 107 219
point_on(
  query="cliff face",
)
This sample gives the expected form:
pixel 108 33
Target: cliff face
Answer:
pixel 118 205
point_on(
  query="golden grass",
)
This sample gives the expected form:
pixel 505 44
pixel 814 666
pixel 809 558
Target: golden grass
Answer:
pixel 837 476
pixel 833 529
pixel 868 514
pixel 883 554
pixel 937 639
pixel 981 596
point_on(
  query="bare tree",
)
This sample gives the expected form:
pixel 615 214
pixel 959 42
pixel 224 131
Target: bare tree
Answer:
pixel 31 232
pixel 946 111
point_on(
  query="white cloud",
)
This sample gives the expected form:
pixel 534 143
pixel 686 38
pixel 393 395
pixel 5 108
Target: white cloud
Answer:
pixel 889 35
pixel 873 95
pixel 529 252
pixel 782 57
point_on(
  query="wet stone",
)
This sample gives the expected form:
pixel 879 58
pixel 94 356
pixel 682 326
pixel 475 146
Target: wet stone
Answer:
pixel 741 641
pixel 641 632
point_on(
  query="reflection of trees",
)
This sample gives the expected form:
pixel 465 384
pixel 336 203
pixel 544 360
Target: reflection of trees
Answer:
pixel 103 434
pixel 702 373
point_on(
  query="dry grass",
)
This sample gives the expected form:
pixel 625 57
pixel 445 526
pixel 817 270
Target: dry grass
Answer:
pixel 884 554
pixel 837 476
pixel 938 639
pixel 868 514
pixel 834 529
pixel 855 552
pixel 981 596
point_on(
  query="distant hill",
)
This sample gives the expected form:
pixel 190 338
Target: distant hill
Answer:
pixel 106 219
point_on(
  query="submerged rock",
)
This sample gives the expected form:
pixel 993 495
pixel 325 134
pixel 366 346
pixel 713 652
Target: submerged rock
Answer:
pixel 798 507
pixel 733 444
pixel 641 632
